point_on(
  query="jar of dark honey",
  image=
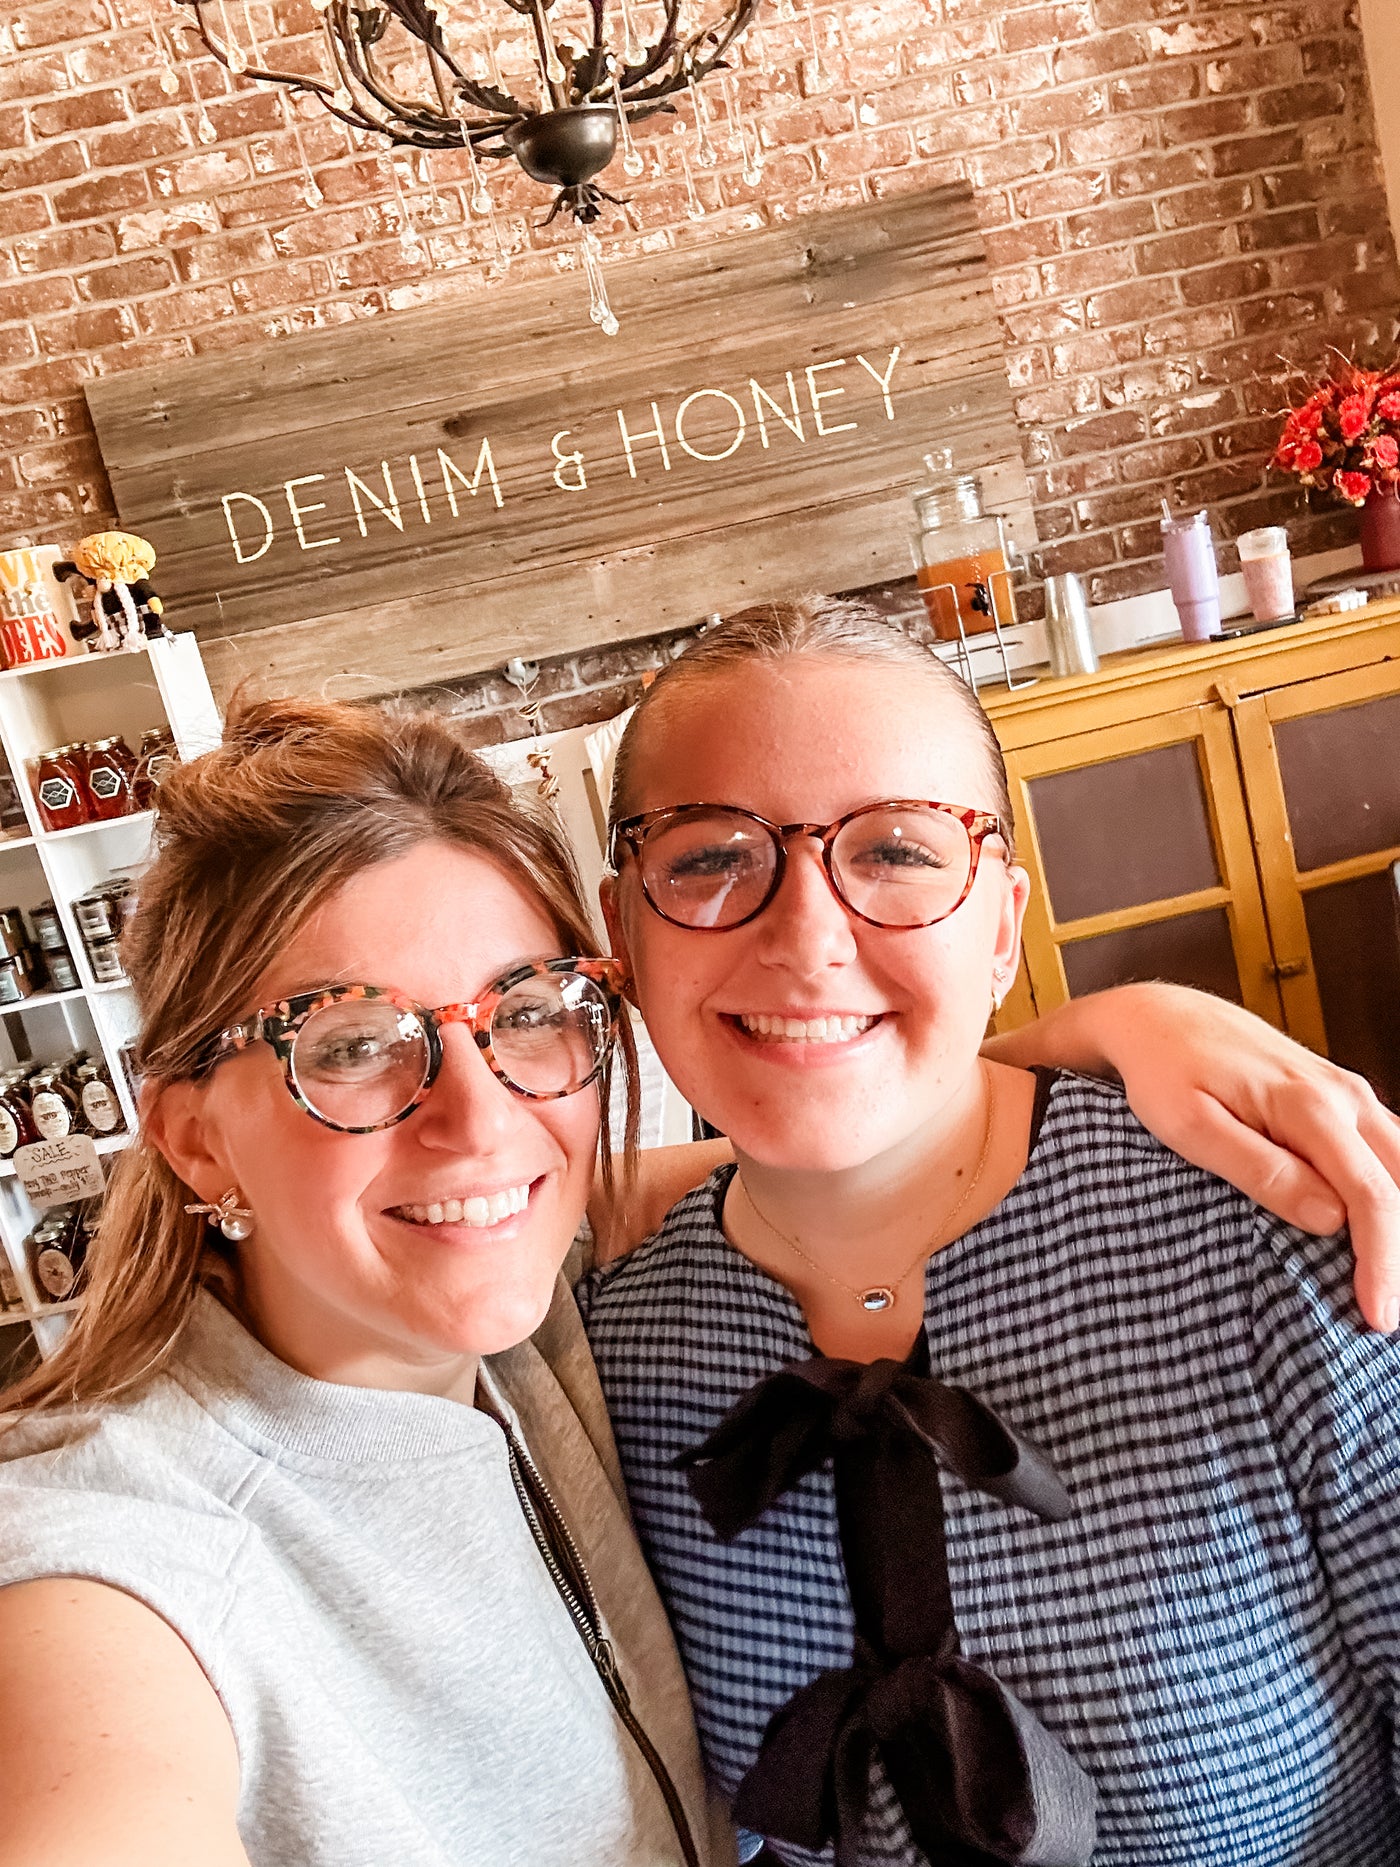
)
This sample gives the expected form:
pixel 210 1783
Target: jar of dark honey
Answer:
pixel 16 1126
pixel 156 756
pixel 52 1104
pixel 97 1099
pixel 57 1251
pixel 60 790
pixel 110 770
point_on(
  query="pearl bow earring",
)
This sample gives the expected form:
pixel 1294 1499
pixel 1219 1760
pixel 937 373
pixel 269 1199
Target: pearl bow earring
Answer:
pixel 233 1220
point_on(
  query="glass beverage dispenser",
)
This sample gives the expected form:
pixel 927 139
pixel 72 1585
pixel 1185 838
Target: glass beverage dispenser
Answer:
pixel 961 555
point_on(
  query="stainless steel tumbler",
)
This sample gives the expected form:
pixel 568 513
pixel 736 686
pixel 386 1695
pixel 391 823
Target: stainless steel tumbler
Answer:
pixel 1068 634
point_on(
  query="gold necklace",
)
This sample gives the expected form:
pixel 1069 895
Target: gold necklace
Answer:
pixel 875 1298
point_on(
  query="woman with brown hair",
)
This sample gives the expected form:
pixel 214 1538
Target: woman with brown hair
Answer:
pixel 313 1526
pixel 312 1545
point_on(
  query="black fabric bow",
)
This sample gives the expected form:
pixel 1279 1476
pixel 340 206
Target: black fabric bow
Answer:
pixel 980 1780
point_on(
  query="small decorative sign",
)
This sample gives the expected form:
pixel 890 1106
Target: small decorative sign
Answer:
pixel 54 1173
pixel 35 609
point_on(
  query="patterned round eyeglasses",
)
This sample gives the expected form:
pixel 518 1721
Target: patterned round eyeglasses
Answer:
pixel 901 862
pixel 362 1057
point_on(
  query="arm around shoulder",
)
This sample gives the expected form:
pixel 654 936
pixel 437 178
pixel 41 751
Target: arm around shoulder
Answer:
pixel 114 1748
pixel 1233 1095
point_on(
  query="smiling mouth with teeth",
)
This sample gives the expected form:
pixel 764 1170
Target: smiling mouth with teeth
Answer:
pixel 482 1210
pixel 831 1030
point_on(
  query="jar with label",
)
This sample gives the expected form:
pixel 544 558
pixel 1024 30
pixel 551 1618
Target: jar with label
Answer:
pixel 104 956
pixel 60 790
pixel 33 966
pixel 14 983
pixel 16 1124
pixel 124 901
pixel 154 759
pixel 57 1250
pixel 12 817
pixel 48 928
pixel 53 944
pixel 93 913
pixel 108 775
pixel 63 974
pixel 96 1098
pixel 960 555
pixel 52 1104
pixel 14 935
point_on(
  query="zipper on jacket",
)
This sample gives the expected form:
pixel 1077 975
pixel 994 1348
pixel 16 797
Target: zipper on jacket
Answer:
pixel 562 1559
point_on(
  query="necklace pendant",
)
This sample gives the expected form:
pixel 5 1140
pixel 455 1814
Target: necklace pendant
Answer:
pixel 878 1297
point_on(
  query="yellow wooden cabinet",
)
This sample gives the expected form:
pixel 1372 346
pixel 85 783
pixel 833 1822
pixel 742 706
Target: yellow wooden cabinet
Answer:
pixel 1227 815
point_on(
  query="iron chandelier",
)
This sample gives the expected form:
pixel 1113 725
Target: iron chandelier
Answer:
pixel 428 74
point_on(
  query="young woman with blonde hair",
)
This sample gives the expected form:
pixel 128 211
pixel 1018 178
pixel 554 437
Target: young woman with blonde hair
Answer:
pixel 1019 1492
pixel 313 1551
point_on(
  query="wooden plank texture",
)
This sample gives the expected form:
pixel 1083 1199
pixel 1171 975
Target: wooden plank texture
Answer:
pixel 410 500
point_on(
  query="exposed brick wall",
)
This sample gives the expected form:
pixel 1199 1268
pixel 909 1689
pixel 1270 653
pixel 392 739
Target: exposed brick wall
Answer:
pixel 1176 195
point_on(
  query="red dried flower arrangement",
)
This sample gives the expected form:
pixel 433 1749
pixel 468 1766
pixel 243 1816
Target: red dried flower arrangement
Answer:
pixel 1345 439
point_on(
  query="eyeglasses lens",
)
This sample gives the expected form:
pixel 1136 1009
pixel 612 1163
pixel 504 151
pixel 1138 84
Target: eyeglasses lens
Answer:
pixel 710 869
pixel 902 867
pixel 550 1033
pixel 359 1062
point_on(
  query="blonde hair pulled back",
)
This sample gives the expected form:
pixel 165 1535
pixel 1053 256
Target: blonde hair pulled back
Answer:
pixel 251 838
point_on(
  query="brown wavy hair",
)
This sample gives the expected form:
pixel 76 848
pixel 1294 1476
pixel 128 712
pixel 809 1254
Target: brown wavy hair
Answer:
pixel 251 838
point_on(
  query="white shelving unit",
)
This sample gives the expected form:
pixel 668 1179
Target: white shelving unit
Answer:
pixel 82 697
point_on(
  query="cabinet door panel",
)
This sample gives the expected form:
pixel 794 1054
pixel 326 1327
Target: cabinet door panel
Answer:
pixel 1341 780
pixel 1354 932
pixel 1189 949
pixel 1123 833
pixel 1321 761
pixel 1137 843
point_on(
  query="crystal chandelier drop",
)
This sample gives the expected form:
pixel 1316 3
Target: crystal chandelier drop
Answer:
pixel 557 84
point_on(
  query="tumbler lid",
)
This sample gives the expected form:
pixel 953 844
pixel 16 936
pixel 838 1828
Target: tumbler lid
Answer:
pixel 1269 541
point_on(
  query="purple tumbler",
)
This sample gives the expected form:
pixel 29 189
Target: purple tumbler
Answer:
pixel 1189 549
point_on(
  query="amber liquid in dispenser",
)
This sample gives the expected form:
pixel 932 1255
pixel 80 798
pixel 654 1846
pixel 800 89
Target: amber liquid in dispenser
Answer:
pixel 980 594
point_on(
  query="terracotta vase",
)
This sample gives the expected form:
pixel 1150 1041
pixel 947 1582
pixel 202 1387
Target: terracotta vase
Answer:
pixel 1380 530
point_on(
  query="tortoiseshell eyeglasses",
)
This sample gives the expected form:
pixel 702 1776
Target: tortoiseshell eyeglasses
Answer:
pixel 362 1057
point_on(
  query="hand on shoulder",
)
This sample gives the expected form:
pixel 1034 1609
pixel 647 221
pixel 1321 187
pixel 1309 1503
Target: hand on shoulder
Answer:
pixel 1229 1093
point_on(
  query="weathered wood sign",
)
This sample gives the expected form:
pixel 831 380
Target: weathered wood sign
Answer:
pixel 389 504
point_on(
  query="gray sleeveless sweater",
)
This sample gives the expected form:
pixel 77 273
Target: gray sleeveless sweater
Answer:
pixel 353 1572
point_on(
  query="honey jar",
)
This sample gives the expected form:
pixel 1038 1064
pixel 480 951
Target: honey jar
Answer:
pixel 16 1125
pixel 97 1099
pixel 156 756
pixel 60 790
pixel 108 774
pixel 52 1103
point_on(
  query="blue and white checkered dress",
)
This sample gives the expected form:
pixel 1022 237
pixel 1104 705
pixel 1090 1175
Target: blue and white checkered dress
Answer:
pixel 1214 1634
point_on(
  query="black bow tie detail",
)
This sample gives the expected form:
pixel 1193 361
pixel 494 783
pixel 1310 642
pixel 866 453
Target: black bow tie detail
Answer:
pixel 980 1780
